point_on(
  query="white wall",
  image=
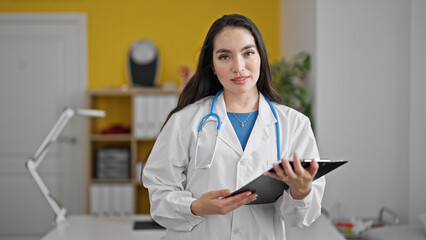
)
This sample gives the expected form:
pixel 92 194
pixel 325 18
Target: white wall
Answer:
pixel 298 26
pixel 298 34
pixel 417 110
pixel 364 110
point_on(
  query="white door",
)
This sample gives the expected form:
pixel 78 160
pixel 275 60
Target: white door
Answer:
pixel 42 71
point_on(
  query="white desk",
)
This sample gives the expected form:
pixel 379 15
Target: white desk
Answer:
pixel 84 227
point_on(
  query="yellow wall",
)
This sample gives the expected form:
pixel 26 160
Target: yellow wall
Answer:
pixel 177 27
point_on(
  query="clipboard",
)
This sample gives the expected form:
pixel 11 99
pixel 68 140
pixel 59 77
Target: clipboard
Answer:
pixel 269 189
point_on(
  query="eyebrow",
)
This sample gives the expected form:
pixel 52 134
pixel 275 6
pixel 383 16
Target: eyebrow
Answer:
pixel 221 50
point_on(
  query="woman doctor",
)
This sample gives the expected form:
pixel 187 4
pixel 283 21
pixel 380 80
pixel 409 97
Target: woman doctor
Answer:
pixel 190 171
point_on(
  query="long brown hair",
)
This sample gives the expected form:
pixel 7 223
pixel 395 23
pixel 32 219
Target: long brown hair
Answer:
pixel 205 83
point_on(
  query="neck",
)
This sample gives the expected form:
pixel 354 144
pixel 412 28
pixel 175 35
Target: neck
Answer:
pixel 241 103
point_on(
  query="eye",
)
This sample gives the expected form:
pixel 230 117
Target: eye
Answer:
pixel 249 53
pixel 223 57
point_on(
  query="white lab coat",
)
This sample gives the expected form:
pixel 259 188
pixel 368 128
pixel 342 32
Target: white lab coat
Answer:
pixel 174 183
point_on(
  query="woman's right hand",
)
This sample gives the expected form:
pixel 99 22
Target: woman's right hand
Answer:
pixel 214 202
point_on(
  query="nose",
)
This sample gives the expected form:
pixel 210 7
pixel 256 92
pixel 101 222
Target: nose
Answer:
pixel 238 64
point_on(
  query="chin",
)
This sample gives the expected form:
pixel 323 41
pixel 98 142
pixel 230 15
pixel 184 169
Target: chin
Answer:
pixel 243 89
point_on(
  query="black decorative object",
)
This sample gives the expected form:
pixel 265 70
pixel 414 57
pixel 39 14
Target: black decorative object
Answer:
pixel 143 61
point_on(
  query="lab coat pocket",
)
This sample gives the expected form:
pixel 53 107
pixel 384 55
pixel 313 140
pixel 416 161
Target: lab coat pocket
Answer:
pixel 206 145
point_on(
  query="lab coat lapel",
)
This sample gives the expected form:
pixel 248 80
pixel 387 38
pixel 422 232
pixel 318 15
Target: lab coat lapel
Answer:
pixel 227 133
pixel 261 132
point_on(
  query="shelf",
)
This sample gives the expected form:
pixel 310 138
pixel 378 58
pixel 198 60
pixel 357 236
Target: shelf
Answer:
pixel 118 103
pixel 111 137
pixel 112 181
pixel 153 90
pixel 145 139
pixel 107 92
pixel 118 138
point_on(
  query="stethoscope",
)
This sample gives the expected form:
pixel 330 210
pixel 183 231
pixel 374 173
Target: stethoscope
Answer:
pixel 219 125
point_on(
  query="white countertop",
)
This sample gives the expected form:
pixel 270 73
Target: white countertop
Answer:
pixel 84 227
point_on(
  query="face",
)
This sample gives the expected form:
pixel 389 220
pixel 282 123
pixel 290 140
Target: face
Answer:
pixel 236 60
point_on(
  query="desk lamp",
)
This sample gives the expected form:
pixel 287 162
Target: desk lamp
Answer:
pixel 34 162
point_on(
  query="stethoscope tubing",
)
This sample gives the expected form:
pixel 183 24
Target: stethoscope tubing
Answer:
pixel 212 114
pixel 277 128
pixel 219 123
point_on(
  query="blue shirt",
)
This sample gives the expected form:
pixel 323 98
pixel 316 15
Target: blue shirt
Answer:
pixel 243 132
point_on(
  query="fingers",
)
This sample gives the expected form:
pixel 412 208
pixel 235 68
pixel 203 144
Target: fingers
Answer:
pixel 282 171
pixel 297 166
pixel 278 173
pixel 313 168
pixel 234 201
pixel 213 202
pixel 288 171
pixel 218 193
pixel 297 169
pixel 272 174
pixel 296 177
pixel 293 171
pixel 243 198
pixel 229 204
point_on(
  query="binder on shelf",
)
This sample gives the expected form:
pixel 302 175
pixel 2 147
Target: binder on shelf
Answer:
pixel 111 199
pixel 116 199
pixel 150 112
pixel 152 108
pixel 128 193
pixel 105 200
pixel 138 115
pixel 94 199
pixel 113 163
pixel 141 116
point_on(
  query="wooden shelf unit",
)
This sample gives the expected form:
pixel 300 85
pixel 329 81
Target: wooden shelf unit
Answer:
pixel 118 105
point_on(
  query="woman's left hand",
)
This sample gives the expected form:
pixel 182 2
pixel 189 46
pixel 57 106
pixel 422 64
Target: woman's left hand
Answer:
pixel 299 179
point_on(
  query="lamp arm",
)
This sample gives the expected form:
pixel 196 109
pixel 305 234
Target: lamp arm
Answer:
pixel 66 115
pixel 34 162
pixel 60 212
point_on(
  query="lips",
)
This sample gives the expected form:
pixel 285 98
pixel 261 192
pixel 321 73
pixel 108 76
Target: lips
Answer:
pixel 240 79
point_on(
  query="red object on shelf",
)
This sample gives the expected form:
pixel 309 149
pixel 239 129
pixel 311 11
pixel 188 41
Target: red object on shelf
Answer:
pixel 345 224
pixel 116 129
pixel 345 227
